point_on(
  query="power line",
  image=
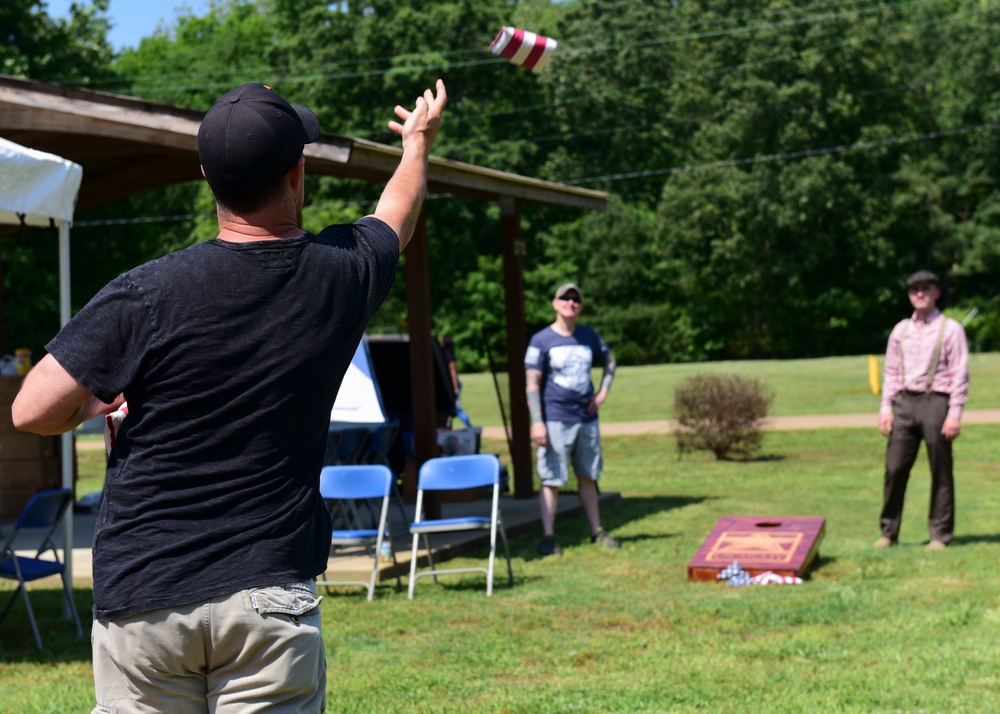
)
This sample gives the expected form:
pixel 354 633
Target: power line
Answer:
pixel 722 112
pixel 105 222
pixel 694 119
pixel 566 51
pixel 693 76
pixel 747 161
pixel 564 42
pixel 717 71
pixel 757 28
pixel 788 155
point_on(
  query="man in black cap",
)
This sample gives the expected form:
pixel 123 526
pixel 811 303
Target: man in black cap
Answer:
pixel 925 385
pixel 229 354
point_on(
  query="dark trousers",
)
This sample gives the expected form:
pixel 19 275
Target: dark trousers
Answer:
pixel 919 417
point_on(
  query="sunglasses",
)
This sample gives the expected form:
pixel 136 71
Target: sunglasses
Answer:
pixel 570 298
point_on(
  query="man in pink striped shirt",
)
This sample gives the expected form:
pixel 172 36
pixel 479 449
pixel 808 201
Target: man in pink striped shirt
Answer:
pixel 925 385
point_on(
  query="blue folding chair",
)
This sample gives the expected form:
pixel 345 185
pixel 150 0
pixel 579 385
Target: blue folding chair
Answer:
pixel 452 473
pixel 43 513
pixel 352 485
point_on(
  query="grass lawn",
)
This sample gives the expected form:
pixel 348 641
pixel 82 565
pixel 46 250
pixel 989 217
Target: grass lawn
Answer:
pixel 833 385
pixel 596 630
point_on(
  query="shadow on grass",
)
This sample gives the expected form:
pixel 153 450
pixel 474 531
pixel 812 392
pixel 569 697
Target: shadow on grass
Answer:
pixel 756 458
pixel 743 459
pixel 976 538
pixel 472 583
pixel 59 640
pixel 633 508
pixel 819 563
pixel 573 531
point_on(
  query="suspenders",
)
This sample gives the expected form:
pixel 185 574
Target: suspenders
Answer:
pixel 935 356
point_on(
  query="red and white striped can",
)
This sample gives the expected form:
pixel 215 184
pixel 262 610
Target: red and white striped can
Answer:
pixel 523 48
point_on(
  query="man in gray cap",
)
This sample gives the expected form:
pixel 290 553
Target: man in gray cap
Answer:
pixel 563 407
pixel 229 354
pixel 925 385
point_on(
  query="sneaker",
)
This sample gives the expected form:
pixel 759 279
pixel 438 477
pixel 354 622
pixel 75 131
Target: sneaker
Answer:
pixel 548 546
pixel 884 542
pixel 602 538
pixel 936 544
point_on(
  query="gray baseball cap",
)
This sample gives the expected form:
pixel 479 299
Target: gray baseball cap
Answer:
pixel 923 277
pixel 565 288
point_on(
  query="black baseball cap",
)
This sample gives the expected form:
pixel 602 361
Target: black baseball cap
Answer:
pixel 923 277
pixel 251 137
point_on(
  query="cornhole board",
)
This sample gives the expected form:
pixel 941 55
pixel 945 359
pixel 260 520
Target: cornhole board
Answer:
pixel 786 545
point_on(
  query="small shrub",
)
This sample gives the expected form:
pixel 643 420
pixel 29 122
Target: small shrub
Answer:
pixel 721 413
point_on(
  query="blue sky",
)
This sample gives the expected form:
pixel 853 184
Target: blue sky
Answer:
pixel 134 19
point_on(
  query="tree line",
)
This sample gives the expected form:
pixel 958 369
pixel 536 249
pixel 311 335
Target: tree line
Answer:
pixel 776 169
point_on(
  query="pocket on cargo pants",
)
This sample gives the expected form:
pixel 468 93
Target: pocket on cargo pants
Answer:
pixel 270 655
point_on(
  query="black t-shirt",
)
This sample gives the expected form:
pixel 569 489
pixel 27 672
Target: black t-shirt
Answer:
pixel 230 356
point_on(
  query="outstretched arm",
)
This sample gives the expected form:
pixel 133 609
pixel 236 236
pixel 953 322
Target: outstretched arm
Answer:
pixel 403 196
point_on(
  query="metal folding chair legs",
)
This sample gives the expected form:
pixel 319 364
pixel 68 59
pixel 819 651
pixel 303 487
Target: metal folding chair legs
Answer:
pixel 22 589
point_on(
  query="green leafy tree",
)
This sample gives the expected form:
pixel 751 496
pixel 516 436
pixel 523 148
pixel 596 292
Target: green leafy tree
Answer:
pixel 778 169
pixel 951 201
pixel 782 236
pixel 70 50
pixel 355 61
pixel 73 50
pixel 611 96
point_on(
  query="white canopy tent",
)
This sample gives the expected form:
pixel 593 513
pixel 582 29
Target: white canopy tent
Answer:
pixel 359 400
pixel 40 189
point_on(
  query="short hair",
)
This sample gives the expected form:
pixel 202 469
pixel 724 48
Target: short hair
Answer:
pixel 246 203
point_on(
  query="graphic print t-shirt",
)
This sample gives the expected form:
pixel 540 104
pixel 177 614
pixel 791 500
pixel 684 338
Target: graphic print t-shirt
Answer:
pixel 565 363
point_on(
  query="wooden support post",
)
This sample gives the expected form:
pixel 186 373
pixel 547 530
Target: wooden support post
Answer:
pixel 514 250
pixel 418 300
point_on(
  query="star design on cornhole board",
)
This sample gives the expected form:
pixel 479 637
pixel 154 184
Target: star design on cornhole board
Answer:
pixel 773 547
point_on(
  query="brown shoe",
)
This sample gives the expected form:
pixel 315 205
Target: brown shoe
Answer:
pixel 936 544
pixel 602 538
pixel 884 542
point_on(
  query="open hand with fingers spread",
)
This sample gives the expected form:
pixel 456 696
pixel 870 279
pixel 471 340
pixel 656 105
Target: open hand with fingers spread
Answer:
pixel 421 125
pixel 403 195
